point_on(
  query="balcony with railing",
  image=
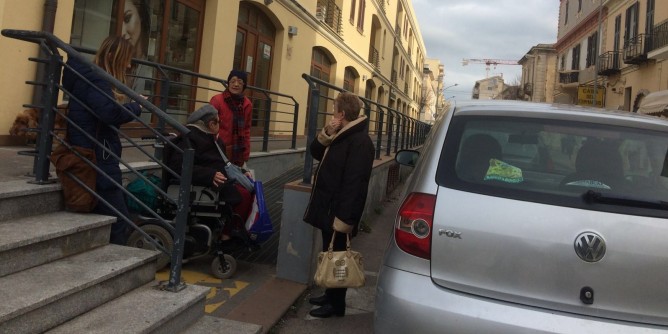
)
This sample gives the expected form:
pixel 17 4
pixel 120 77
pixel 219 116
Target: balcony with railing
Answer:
pixel 659 48
pixel 328 12
pixel 374 57
pixel 635 51
pixel 609 63
pixel 569 77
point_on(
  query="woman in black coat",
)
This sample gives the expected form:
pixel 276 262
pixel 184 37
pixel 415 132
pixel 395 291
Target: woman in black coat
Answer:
pixel 107 112
pixel 346 155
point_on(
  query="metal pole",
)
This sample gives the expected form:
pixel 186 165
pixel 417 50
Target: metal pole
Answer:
pixel 596 62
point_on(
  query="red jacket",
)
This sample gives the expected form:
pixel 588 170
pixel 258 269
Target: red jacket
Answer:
pixel 225 133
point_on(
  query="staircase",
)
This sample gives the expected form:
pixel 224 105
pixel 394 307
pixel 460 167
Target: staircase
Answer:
pixel 59 274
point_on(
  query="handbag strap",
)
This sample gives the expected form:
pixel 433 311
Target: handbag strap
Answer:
pixel 225 160
pixel 331 243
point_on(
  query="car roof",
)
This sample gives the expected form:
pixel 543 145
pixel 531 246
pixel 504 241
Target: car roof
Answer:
pixel 557 111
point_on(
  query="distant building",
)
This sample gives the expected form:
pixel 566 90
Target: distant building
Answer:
pixel 489 88
pixel 538 74
pixel 432 100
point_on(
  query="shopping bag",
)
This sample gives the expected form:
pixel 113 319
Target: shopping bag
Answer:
pixel 258 223
pixel 341 269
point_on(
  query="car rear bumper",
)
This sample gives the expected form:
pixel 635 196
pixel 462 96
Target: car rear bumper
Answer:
pixel 411 303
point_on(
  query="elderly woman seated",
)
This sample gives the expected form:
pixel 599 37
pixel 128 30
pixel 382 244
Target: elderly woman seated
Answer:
pixel 209 165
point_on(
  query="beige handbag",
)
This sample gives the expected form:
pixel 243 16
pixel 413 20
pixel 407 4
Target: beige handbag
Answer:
pixel 342 269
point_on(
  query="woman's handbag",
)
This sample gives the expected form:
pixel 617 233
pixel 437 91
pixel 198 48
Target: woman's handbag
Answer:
pixel 77 198
pixel 258 223
pixel 234 172
pixel 342 269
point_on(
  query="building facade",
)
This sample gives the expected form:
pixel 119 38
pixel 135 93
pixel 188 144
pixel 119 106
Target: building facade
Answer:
pixel 538 73
pixel 371 47
pixel 611 53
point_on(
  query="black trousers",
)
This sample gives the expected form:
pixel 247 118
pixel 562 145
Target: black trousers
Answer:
pixel 337 297
pixel 119 229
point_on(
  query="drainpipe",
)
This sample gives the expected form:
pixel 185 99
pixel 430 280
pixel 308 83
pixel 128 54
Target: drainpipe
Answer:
pixel 48 23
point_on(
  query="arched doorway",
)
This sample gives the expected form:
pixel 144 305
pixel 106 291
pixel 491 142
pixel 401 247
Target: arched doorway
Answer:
pixel 253 53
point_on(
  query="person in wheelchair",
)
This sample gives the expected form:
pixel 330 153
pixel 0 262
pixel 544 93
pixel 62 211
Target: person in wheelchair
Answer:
pixel 209 166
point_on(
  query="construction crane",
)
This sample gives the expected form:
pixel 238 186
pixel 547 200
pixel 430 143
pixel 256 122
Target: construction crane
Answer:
pixel 488 62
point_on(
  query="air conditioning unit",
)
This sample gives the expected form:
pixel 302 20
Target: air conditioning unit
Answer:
pixel 321 13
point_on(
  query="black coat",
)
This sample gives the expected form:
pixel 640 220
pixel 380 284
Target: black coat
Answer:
pixel 342 177
pixel 108 115
pixel 207 158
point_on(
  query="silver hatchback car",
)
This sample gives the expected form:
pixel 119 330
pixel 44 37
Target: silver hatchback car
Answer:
pixel 524 218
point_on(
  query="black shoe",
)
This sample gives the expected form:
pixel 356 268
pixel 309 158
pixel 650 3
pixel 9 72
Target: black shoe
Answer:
pixel 319 301
pixel 327 311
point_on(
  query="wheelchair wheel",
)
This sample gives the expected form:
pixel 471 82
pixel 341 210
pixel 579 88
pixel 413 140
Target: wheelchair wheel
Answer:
pixel 160 235
pixel 224 272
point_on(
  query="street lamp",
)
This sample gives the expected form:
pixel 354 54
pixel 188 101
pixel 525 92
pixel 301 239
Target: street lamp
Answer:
pixel 450 86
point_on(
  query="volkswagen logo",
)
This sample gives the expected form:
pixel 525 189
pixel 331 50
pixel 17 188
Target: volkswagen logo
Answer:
pixel 589 246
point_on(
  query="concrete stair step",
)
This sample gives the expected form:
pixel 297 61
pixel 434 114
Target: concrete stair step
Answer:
pixel 19 198
pixel 34 240
pixel 147 309
pixel 42 297
pixel 208 324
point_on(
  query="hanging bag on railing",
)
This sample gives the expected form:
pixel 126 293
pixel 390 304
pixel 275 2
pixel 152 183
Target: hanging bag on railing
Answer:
pixel 258 223
pixel 234 172
pixel 341 269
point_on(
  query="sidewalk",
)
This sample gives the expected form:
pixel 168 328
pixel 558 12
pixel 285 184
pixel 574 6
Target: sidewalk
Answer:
pixel 359 302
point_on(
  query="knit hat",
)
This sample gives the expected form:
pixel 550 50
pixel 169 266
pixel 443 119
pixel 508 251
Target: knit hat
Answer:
pixel 240 75
pixel 205 112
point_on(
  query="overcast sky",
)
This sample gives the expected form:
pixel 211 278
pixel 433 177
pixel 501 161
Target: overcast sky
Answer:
pixel 479 29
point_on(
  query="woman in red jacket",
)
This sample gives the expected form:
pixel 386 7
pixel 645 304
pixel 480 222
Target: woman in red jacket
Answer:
pixel 235 111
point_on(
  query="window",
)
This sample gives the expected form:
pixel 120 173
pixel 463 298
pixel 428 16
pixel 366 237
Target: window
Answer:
pixel 352 12
pixel 575 58
pixel 592 49
pixel 566 13
pixel 631 27
pixel 579 6
pixel 545 161
pixel 349 80
pixel 321 67
pixel 562 64
pixel 649 17
pixel 360 15
pixel 618 32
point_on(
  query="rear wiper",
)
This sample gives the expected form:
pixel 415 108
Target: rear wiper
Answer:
pixel 597 197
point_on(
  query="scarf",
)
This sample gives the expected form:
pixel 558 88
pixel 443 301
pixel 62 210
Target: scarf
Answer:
pixel 235 103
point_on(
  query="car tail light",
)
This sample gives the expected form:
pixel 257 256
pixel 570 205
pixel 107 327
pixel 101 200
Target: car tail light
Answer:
pixel 414 224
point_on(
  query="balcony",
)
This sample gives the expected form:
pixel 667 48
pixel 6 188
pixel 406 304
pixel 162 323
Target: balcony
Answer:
pixel 609 63
pixel 328 12
pixel 374 57
pixel 635 51
pixel 659 49
pixel 569 77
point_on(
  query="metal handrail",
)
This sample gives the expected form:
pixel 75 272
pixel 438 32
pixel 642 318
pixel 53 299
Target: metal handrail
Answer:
pixel 55 64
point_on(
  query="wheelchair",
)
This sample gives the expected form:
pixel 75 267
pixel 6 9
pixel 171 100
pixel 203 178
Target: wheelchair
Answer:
pixel 209 214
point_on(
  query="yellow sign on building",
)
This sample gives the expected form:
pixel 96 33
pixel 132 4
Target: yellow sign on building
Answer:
pixel 586 96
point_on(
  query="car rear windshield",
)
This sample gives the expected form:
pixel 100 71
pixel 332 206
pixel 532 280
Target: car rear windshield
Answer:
pixel 568 163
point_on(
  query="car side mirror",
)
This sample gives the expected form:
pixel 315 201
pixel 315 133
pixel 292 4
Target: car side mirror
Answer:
pixel 407 157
